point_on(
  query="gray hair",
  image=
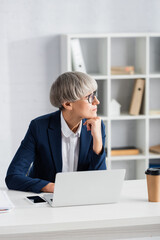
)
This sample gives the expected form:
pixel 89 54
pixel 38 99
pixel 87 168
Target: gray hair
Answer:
pixel 70 87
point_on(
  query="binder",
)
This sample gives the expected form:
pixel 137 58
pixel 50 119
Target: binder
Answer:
pixel 137 96
pixel 77 57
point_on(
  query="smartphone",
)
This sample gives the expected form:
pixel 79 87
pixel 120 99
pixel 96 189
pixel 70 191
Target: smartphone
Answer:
pixel 36 199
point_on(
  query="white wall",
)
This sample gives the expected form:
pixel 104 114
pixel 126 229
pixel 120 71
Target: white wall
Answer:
pixel 30 52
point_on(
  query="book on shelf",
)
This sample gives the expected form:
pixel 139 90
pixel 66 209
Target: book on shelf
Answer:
pixel 155 149
pixel 129 150
pixel 154 112
pixel 137 96
pixel 122 70
pixel 77 56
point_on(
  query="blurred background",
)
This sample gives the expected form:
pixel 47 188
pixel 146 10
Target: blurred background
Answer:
pixel 30 33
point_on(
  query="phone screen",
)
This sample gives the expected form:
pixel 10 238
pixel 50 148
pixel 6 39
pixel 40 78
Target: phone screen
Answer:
pixel 36 199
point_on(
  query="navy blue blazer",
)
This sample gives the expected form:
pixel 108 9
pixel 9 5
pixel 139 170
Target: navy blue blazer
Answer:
pixel 39 156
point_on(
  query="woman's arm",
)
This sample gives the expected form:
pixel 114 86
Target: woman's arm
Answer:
pixel 17 178
pixel 94 125
pixel 97 159
pixel 48 188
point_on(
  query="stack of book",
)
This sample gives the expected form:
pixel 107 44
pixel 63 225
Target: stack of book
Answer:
pixel 155 149
pixel 120 70
pixel 129 150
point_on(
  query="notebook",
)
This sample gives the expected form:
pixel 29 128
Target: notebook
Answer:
pixel 5 203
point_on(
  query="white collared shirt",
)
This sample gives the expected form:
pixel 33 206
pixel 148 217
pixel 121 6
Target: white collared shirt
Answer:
pixel 70 146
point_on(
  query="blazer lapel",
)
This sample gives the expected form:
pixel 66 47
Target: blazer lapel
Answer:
pixel 54 134
pixel 85 140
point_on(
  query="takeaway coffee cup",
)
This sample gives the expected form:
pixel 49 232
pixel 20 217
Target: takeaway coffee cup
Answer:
pixel 153 184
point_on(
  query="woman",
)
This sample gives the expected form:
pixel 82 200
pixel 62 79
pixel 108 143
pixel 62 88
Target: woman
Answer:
pixel 71 139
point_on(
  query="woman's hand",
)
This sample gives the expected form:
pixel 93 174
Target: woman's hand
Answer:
pixel 94 125
pixel 49 188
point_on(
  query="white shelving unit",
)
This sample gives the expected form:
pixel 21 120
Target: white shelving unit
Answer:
pixel 142 50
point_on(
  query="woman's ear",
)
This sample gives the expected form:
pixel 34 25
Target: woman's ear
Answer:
pixel 67 105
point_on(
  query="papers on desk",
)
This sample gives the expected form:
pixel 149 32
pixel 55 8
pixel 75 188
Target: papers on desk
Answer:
pixel 5 203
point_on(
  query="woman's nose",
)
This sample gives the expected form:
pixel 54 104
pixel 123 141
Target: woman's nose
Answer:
pixel 95 101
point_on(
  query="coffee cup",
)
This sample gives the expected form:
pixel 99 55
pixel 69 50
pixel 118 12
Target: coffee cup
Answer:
pixel 153 184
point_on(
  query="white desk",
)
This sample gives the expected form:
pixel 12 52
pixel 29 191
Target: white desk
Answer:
pixel 132 217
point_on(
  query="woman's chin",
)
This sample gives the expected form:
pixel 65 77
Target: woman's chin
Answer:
pixel 93 115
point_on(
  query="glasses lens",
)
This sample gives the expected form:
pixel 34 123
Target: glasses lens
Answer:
pixel 92 96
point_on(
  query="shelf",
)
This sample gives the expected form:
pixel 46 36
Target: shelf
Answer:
pixel 133 76
pixel 154 156
pixel 124 97
pixel 88 36
pixel 124 116
pixel 128 157
pixel 104 118
pixel 130 133
pixel 154 56
pixel 154 96
pixel 155 75
pixel 98 77
pixel 105 35
pixel 101 52
pixel 154 136
pixel 102 97
pixel 157 116
pixel 129 51
pixel 127 117
pixel 94 52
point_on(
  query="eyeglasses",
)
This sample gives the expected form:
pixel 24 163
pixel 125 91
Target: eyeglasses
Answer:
pixel 91 96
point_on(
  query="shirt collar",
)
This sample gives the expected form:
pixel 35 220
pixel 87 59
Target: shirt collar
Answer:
pixel 66 131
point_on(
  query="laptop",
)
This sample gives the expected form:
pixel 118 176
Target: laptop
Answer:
pixel 86 187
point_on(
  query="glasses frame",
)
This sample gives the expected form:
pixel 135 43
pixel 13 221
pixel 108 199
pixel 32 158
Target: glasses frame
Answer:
pixel 92 96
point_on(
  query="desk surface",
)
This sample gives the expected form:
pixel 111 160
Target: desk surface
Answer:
pixel 133 213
